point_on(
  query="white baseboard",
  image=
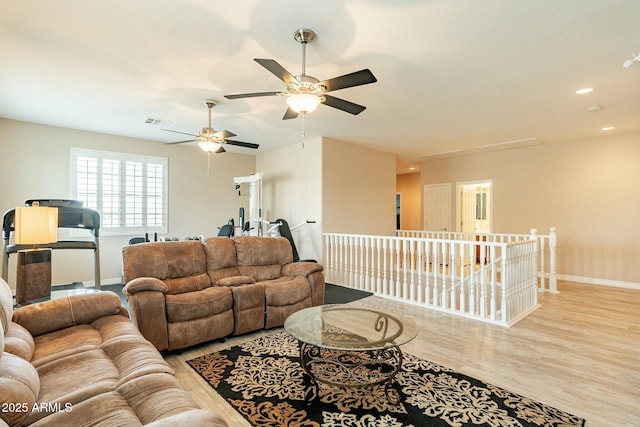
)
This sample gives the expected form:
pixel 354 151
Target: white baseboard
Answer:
pixel 600 282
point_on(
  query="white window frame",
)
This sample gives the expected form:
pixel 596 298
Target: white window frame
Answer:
pixel 118 185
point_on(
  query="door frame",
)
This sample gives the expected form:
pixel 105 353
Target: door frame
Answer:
pixel 459 200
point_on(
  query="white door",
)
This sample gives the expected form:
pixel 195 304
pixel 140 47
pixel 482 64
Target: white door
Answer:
pixel 437 207
pixel 468 209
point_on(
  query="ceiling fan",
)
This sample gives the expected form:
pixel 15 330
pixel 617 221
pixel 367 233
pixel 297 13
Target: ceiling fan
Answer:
pixel 304 92
pixel 211 140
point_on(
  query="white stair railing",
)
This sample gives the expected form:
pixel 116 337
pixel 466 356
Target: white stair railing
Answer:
pixel 487 280
pixel 547 248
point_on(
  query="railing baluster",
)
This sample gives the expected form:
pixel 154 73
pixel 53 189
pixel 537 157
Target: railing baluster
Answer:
pixel 420 272
pixel 398 287
pixel 442 272
pixel 378 266
pixel 385 281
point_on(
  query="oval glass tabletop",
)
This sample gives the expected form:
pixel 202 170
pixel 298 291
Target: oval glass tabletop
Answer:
pixel 343 327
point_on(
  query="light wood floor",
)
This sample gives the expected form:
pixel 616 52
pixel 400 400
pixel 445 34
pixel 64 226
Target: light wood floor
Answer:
pixel 580 352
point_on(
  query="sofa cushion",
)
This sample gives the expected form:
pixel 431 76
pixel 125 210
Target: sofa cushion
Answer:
pixel 107 409
pixel 255 250
pixel 163 260
pixel 194 283
pixel 6 305
pixel 156 396
pixel 191 332
pixel 18 341
pixel 196 305
pixel 65 312
pixel 236 281
pixel 262 258
pixel 19 387
pixel 59 379
pixel 64 342
pixel 221 258
pixel 286 291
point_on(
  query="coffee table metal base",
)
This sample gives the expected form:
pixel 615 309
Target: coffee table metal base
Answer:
pixel 351 369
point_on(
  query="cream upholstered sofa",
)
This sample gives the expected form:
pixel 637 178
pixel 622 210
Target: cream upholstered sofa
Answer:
pixel 80 361
pixel 186 293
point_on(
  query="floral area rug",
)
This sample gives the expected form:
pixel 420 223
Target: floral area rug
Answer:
pixel 264 381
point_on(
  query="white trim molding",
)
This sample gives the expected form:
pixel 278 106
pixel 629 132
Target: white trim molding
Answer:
pixel 599 282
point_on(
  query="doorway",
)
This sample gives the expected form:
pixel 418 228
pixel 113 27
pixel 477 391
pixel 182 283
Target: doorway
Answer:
pixel 398 211
pixel 474 214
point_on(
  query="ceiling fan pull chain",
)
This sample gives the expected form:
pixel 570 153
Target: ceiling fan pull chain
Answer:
pixel 208 162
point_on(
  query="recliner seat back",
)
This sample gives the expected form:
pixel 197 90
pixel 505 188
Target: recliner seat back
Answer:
pixel 262 258
pixel 181 265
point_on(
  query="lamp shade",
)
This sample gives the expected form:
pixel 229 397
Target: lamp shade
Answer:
pixel 303 102
pixel 35 225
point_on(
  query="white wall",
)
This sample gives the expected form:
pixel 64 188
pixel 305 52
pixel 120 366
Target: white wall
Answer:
pixel 34 163
pixel 292 190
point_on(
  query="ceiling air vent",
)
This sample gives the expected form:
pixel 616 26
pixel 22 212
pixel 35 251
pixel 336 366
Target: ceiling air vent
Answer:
pixel 442 154
pixel 510 144
pixel 151 121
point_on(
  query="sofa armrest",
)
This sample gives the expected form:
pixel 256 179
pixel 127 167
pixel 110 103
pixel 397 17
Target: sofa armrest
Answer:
pixel 49 316
pixel 235 281
pixel 20 389
pixel 195 417
pixel 145 284
pixel 301 268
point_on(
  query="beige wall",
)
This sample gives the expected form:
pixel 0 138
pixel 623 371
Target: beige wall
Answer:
pixel 292 190
pixel 587 189
pixel 34 163
pixel 359 187
pixel 409 187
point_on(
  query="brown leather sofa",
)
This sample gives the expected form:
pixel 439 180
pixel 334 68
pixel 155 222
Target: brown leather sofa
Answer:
pixel 187 292
pixel 80 361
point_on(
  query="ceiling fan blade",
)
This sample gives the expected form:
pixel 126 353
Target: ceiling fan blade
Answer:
pixel 224 134
pixel 357 78
pixel 277 70
pixel 176 131
pixel 242 144
pixel 220 150
pixel 180 142
pixel 343 105
pixel 251 95
pixel 289 114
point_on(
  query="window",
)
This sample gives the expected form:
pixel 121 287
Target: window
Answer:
pixel 129 191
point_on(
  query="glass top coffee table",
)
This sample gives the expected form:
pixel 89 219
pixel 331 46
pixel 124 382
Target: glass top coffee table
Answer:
pixel 351 347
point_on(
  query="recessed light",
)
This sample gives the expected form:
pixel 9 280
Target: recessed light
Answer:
pixel 584 90
pixel 595 108
pixel 412 168
pixel 607 128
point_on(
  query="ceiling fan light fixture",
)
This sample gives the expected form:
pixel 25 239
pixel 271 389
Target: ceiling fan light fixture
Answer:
pixel 303 103
pixel 208 145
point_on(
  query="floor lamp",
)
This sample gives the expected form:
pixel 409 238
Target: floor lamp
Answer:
pixel 34 225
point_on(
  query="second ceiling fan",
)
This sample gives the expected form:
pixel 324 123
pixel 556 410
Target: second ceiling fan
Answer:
pixel 304 92
pixel 211 140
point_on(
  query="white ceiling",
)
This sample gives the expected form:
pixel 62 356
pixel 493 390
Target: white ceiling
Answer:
pixel 452 75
